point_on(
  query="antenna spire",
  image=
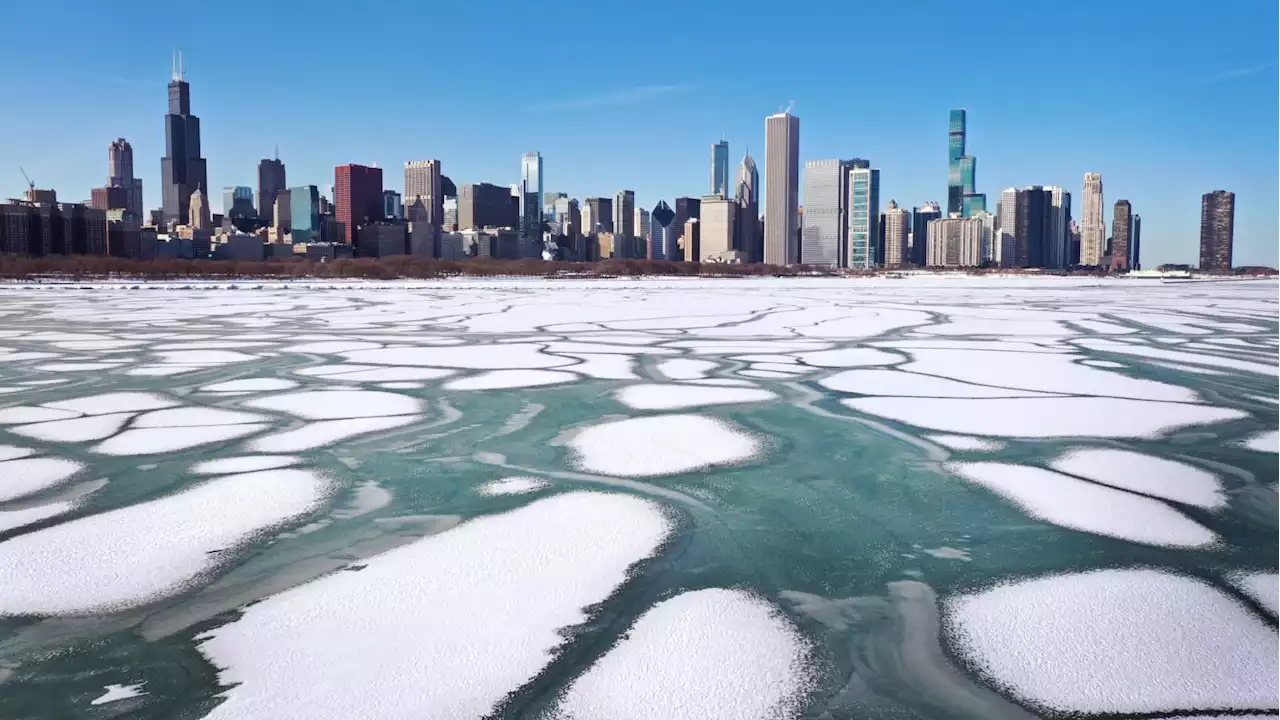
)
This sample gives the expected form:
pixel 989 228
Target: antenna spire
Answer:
pixel 277 151
pixel 182 71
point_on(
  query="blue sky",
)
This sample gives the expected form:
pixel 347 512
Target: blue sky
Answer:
pixel 1167 101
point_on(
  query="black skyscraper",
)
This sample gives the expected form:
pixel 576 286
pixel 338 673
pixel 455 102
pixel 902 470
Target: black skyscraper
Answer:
pixel 182 170
pixel 920 218
pixel 1217 229
pixel 1034 226
pixel 271 182
pixel 686 208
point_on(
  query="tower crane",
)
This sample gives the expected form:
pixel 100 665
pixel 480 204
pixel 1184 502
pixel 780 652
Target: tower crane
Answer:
pixel 30 185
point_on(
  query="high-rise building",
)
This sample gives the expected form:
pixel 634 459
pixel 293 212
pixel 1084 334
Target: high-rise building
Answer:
pixel 237 203
pixel 530 200
pixel 424 192
pixel 120 174
pixel 1032 224
pixel 1093 228
pixel 624 213
pixel 111 197
pixel 1073 245
pixel 961 168
pixel 1217 229
pixel 357 192
pixel 782 189
pixel 863 215
pixel 826 197
pixel 746 193
pixel 687 209
pixel 987 222
pixel 973 203
pixel 720 169
pixel 1006 229
pixel 1122 235
pixel 198 209
pixel 483 205
pixel 392 205
pixel 921 217
pixel 691 240
pixel 1057 239
pixel 600 213
pixel 271 183
pixel 1135 255
pixel 897 225
pixel 717 215
pixel 281 213
pixel 955 242
pixel 304 211
pixel 663 239
pixel 642 225
pixel 182 169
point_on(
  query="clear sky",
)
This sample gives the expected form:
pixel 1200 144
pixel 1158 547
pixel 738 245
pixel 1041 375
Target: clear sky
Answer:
pixel 1167 100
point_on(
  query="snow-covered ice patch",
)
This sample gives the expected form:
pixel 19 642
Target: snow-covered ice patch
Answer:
pixel 118 692
pixel 11 519
pixel 445 627
pixel 907 384
pixel 366 497
pixel 115 402
pixel 331 347
pixel 246 463
pixel 686 368
pixel 195 416
pixel 1145 474
pixel 1268 442
pixel 1117 641
pixel 251 385
pixel 502 379
pixel 708 654
pixel 475 357
pixel 1079 505
pixel 204 357
pixel 1262 587
pixel 1106 364
pixel 625 448
pixel 78 366
pixel 602 366
pixel 13 452
pixel 401 385
pixel 513 486
pixel 319 434
pixel 89 565
pixel 22 414
pixel 848 357
pixel 339 404
pixel 1044 417
pixel 673 397
pixel 965 443
pixel 151 441
pixel 83 429
pixel 28 476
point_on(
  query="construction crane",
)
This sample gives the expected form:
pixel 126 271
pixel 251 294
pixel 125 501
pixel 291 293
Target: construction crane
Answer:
pixel 30 185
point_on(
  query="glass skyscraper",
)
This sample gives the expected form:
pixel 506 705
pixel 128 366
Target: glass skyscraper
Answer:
pixel 182 170
pixel 304 213
pixel 961 168
pixel 720 169
pixel 822 239
pixel 864 216
pixel 530 201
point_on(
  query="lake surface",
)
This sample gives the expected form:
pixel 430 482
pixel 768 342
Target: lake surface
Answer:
pixel 922 498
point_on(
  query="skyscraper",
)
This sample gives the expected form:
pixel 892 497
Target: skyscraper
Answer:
pixel 423 192
pixel 747 194
pixel 1056 243
pixel 1135 257
pixel 1006 239
pixel 1217 229
pixel 826 197
pixel 483 205
pixel 1033 207
pixel 1093 228
pixel 304 211
pixel 715 228
pixel 601 215
pixel 720 169
pixel 782 188
pixel 120 174
pixel 271 183
pixel 921 217
pixel 182 170
pixel 897 224
pixel 662 233
pixel 624 214
pixel 198 207
pixel 357 192
pixel 863 215
pixel 1122 235
pixel 530 201
pixel 961 168
pixel 642 225
pixel 687 209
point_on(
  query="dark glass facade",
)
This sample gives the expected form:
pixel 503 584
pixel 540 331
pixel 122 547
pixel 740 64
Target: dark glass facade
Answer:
pixel 182 170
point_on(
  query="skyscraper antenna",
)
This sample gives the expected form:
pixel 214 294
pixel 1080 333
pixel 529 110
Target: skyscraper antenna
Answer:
pixel 173 64
pixel 277 151
pixel 182 71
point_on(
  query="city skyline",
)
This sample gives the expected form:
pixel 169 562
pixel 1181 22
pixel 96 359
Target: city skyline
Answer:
pixel 652 134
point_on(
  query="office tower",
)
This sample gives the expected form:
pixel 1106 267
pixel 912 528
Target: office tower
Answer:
pixel 1032 206
pixel 687 209
pixel 642 224
pixel 237 203
pixel 826 197
pixel 782 188
pixel 720 169
pixel 921 217
pixel 973 203
pixel 450 209
pixel 1007 228
pixel 1217 229
pixel 304 212
pixel 691 239
pixel 271 183
pixel 1073 245
pixel 897 225
pixel 281 213
pixel 663 238
pixel 987 223
pixel 198 209
pixel 600 212
pixel 955 242
pixel 1058 237
pixel 483 205
pixel 717 215
pixel 357 197
pixel 747 194
pixel 1122 235
pixel 961 168
pixel 863 216
pixel 392 205
pixel 120 174
pixel 624 213
pixel 424 192
pixel 111 197
pixel 530 200
pixel 1093 228
pixel 182 170
pixel 1135 254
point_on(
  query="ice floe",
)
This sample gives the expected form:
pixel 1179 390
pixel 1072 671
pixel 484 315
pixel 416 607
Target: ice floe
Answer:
pixel 115 402
pixel 21 414
pixel 13 452
pixel 848 357
pixel 661 445
pixel 1079 505
pixel 1146 474
pixel 195 416
pixel 1178 356
pixel 1043 417
pixel 1268 442
pixel 331 347
pixel 603 367
pixel 28 476
pixel 1262 587
pixel 251 385
pixel 118 692
pixel 338 404
pixel 445 627
pixel 152 441
pixel 475 357
pixel 965 443
pixel 1105 642
pixel 11 519
pixel 89 565
pixel 707 654
pixel 907 384
pixel 513 486
pixel 244 463
pixel 319 434
pixel 503 379
pixel 686 368
pixel 674 397
pixel 84 429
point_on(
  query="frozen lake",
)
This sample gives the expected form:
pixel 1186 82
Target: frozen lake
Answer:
pixel 760 498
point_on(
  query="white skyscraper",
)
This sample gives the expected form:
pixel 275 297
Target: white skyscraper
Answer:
pixel 781 188
pixel 642 224
pixel 897 226
pixel 822 241
pixel 1002 246
pixel 1093 228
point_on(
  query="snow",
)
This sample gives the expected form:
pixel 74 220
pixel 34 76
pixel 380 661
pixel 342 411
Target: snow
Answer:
pixel 964 443
pixel 332 347
pixel 204 357
pixel 118 692
pixel 603 367
pixel 11 519
pixel 13 452
pixel 711 654
pixel 251 385
pixel 114 402
pixel 339 404
pixel 84 429
pixel 686 368
pixel 195 416
pixel 513 486
pixel 19 414
pixel 1044 417
pixel 1262 587
pixel 1177 356
pixel 245 463
pixel 152 441
pixel 475 357
pixel 444 627
pixel 1079 505
pixel 384 374
pixel 1103 364
pixel 1146 474
pixel 906 384
pixel 1117 641
pixel 78 366
pixel 28 476
pixel 162 370
pixel 1268 442
pixel 502 379
pixel 674 397
pixel 320 434
pixel 366 497
pixel 848 357
pixel 90 565
pixel 401 385
pixel 661 445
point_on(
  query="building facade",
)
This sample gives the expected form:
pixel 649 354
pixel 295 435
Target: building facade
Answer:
pixel 120 174
pixel 863 215
pixel 961 168
pixel 597 216
pixel 271 184
pixel 1217 229
pixel 304 214
pixel 1093 228
pixel 897 226
pixel 663 239
pixel 1056 247
pixel 198 210
pixel 720 169
pixel 357 198
pixel 920 219
pixel 624 213
pixel 483 205
pixel 1121 235
pixel 782 189
pixel 823 240
pixel 747 194
pixel 1135 255
pixel 424 192
pixel 955 242
pixel 182 169
pixel 1031 226
pixel 530 194
pixel 716 227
